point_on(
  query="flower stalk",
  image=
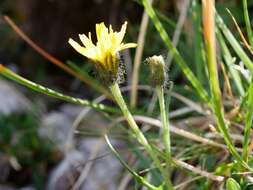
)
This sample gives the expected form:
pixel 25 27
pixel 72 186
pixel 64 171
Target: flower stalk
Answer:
pixel 115 90
pixel 165 121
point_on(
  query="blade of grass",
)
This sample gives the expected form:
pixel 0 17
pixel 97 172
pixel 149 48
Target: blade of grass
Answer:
pixel 138 178
pixel 38 88
pixel 230 62
pixel 177 57
pixel 248 123
pixel 234 43
pixel 199 54
pixel 55 61
pixel 247 21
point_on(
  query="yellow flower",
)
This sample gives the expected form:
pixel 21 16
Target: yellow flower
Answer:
pixel 105 53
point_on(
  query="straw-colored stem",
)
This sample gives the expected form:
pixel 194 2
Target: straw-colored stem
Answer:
pixel 137 58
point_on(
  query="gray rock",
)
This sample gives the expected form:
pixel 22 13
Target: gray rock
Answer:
pixel 56 127
pixel 11 100
pixel 64 175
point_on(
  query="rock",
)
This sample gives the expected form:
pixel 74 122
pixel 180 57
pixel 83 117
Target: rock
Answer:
pixel 105 170
pixel 65 174
pixel 56 127
pixel 11 100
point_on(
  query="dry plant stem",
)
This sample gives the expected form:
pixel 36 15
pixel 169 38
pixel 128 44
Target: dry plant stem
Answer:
pixel 53 60
pixel 209 35
pixel 137 58
pixel 137 132
pixel 246 44
pixel 198 171
pixel 178 29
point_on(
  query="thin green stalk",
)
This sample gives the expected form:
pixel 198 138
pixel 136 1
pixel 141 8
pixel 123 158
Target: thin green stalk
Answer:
pixel 247 22
pixel 165 128
pixel 248 124
pixel 140 179
pixel 165 121
pixel 199 54
pixel 209 34
pixel 137 132
pixel 41 89
pixel 177 57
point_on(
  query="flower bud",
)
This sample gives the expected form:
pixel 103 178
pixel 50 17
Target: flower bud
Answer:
pixel 158 76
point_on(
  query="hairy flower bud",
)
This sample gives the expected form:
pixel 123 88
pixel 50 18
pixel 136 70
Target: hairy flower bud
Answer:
pixel 158 76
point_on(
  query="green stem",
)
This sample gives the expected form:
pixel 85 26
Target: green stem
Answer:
pixel 247 22
pixel 137 132
pixel 249 118
pixel 165 121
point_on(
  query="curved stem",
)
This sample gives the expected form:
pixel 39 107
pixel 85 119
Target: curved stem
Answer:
pixel 137 132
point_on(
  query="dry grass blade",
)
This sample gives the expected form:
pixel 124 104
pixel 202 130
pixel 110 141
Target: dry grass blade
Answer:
pixel 241 34
pixel 198 171
pixel 53 60
pixel 137 58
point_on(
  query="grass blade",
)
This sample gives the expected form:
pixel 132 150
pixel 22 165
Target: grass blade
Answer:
pixel 247 21
pixel 248 123
pixel 199 54
pixel 38 88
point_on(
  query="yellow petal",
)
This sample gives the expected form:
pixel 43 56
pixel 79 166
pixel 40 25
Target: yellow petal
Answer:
pixel 120 35
pixel 126 46
pixel 86 41
pixel 87 52
pixel 76 46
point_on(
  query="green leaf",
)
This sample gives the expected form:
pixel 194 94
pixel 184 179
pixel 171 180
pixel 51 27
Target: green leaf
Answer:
pixel 39 88
pixel 231 184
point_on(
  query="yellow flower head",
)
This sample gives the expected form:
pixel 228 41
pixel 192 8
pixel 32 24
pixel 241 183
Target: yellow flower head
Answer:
pixel 105 53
